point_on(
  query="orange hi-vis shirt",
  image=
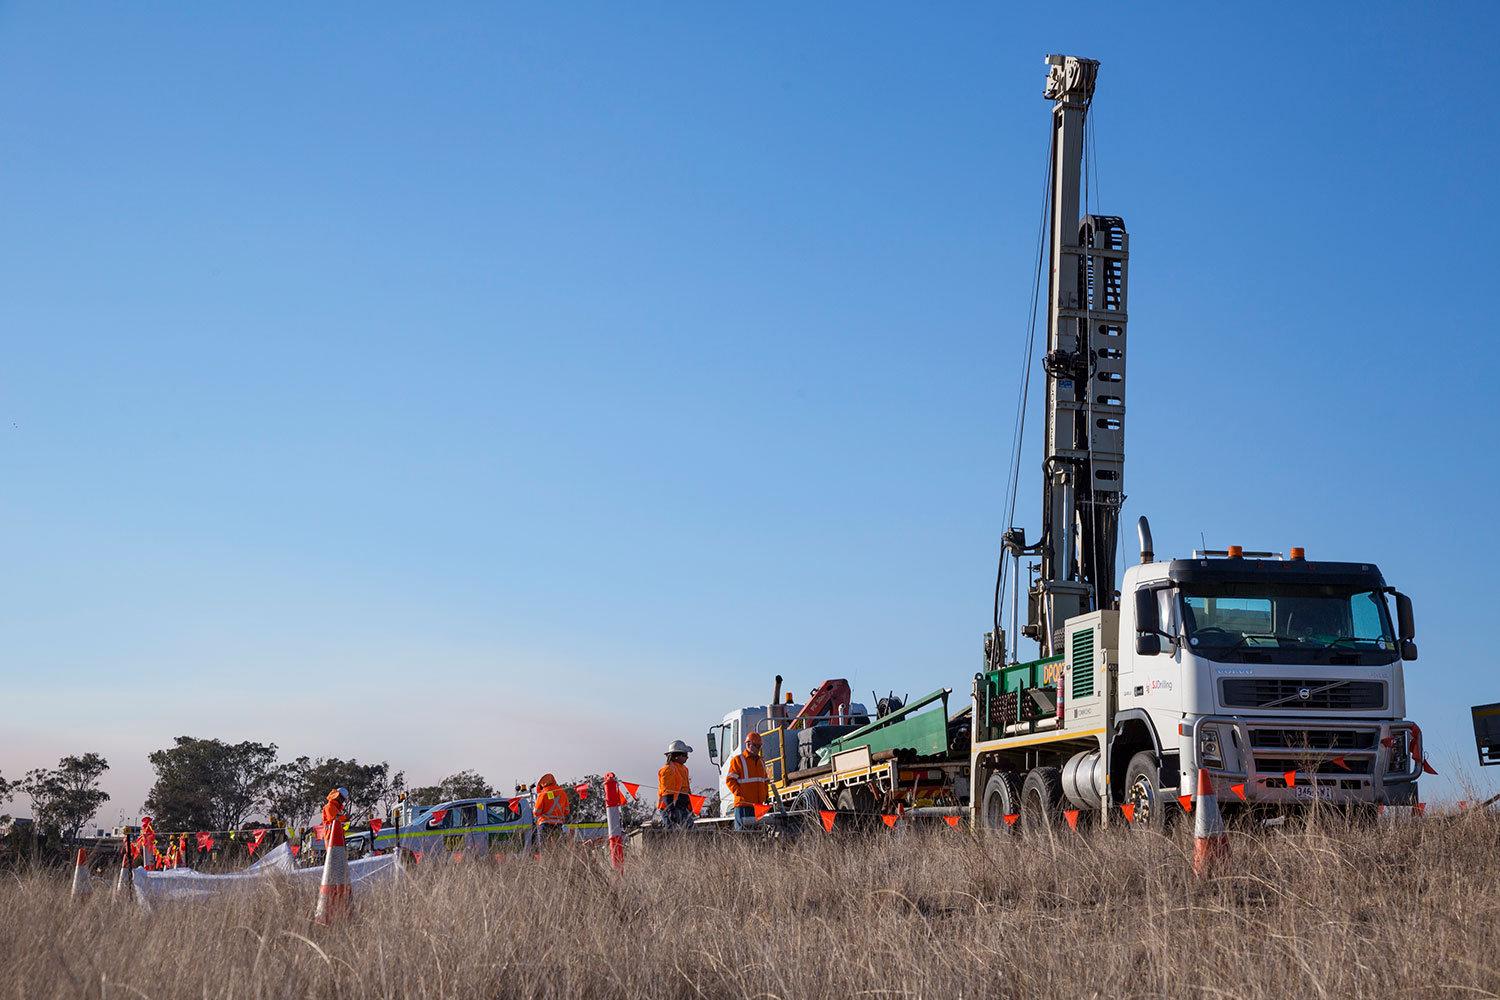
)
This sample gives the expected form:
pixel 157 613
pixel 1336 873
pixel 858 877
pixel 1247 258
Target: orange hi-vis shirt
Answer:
pixel 333 824
pixel 671 781
pixel 551 806
pixel 747 780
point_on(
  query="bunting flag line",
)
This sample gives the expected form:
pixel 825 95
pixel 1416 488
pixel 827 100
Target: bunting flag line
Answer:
pixel 1239 790
pixel 828 818
pixel 1291 778
pixel 1129 810
pixel 205 841
pixel 632 788
pixel 1010 818
pixel 760 810
pixel 1072 817
pixel 889 819
pixel 259 836
pixel 951 821
pixel 1187 802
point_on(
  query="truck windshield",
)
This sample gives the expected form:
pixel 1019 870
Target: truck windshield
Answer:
pixel 1257 616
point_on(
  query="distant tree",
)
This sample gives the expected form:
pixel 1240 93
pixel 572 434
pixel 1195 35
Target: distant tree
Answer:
pixel 66 798
pixel 209 784
pixel 463 785
pixel 297 790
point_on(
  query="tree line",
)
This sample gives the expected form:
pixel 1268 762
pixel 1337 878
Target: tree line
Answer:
pixel 208 784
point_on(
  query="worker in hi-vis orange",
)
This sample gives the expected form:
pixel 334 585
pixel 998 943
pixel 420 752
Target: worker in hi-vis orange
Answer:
pixel 747 782
pixel 550 809
pixel 333 817
pixel 674 804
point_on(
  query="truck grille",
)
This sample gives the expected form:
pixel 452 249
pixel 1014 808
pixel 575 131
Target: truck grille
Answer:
pixel 1285 693
pixel 1313 750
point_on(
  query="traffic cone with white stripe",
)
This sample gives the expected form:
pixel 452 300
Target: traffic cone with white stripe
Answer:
pixel 613 800
pixel 125 880
pixel 335 894
pixel 82 885
pixel 1210 839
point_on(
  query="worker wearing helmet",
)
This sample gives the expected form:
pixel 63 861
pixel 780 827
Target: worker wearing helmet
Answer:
pixel 674 806
pixel 145 844
pixel 550 808
pixel 747 782
pixel 333 817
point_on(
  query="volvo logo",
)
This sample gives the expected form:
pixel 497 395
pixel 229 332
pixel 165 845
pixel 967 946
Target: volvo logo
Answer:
pixel 1304 693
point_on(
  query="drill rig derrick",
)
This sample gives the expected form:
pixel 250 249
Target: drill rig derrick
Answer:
pixel 1084 365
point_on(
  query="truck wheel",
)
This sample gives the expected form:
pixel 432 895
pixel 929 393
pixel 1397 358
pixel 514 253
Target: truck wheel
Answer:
pixel 859 801
pixel 1141 780
pixel 1042 800
pixel 811 803
pixel 1001 798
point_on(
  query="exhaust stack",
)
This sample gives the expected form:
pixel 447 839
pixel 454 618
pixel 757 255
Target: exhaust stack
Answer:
pixel 1148 551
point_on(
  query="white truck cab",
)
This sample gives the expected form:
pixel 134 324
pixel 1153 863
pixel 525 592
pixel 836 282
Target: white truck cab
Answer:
pixel 1259 667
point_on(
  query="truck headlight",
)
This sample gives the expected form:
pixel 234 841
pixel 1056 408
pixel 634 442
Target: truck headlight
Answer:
pixel 1208 745
pixel 1398 743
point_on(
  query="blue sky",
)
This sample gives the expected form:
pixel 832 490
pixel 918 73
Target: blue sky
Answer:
pixel 520 389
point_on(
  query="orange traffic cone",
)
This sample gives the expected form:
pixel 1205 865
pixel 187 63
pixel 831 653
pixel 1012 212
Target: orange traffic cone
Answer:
pixel 125 880
pixel 1210 839
pixel 82 885
pixel 334 897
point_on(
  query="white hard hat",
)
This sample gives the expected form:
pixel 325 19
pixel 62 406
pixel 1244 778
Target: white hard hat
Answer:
pixel 677 746
pixel 344 792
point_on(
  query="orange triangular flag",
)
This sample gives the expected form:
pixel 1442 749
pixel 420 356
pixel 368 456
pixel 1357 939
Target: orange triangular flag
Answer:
pixel 1239 790
pixel 295 848
pixel 582 788
pixel 1380 811
pixel 951 821
pixel 889 820
pixel 1187 802
pixel 1291 778
pixel 1427 767
pixel 1072 815
pixel 697 801
pixel 760 810
pixel 1010 818
pixel 1129 810
pixel 828 818
pixel 632 788
pixel 1339 760
pixel 1419 808
pixel 1463 803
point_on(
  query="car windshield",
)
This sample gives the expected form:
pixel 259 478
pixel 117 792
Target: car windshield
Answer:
pixel 1258 615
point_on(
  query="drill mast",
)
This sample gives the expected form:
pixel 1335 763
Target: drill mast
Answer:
pixel 1085 380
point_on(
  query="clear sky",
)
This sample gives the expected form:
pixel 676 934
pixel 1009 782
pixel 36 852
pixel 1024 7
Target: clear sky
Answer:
pixel 522 387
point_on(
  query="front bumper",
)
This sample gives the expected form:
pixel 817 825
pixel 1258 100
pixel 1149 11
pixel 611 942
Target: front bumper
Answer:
pixel 1334 762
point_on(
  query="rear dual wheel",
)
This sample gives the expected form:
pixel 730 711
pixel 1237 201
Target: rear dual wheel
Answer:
pixel 1001 798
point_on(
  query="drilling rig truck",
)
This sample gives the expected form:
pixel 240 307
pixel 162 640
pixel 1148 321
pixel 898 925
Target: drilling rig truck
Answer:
pixel 1279 675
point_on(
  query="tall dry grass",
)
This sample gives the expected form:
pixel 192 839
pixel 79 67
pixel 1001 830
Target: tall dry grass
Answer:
pixel 1403 910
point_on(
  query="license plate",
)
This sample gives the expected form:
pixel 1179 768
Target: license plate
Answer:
pixel 1306 793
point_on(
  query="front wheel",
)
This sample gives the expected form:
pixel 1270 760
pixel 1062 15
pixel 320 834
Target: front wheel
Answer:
pixel 1141 791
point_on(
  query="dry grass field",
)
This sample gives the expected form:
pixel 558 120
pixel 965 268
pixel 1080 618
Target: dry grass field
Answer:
pixel 1406 910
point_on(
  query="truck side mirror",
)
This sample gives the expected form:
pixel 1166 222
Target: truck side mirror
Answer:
pixel 713 750
pixel 1405 628
pixel 1408 649
pixel 1147 618
pixel 1147 644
